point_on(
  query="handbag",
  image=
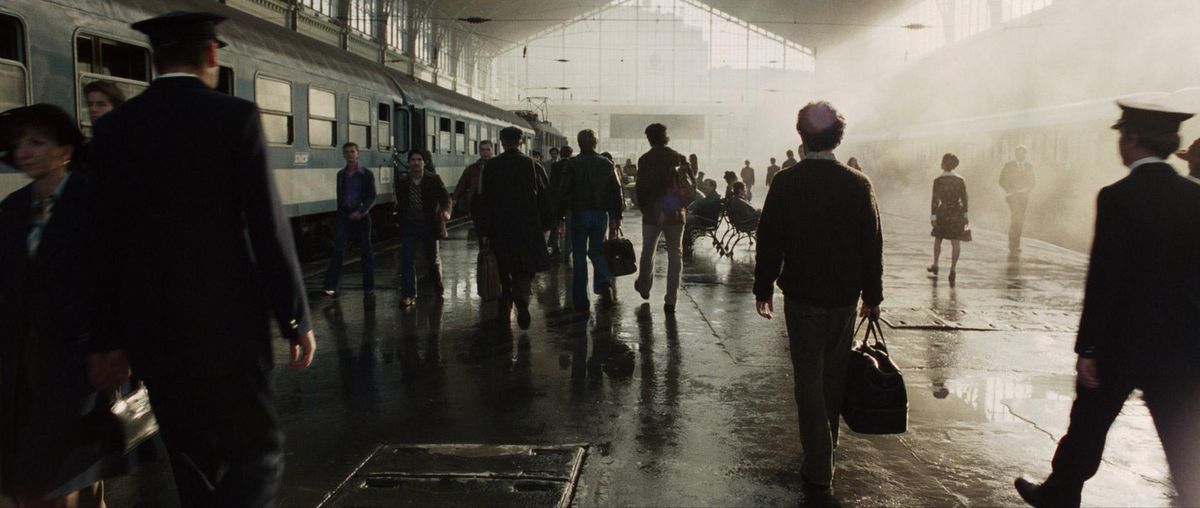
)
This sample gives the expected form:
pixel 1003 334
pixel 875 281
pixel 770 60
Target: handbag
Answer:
pixel 487 277
pixel 619 253
pixel 133 418
pixel 875 400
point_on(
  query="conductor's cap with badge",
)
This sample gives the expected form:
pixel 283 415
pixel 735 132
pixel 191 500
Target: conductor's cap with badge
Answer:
pixel 181 26
pixel 1149 118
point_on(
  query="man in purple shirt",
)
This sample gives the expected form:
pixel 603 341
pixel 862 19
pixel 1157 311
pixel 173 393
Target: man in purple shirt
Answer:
pixel 355 196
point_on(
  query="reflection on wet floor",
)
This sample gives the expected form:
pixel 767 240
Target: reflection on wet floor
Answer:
pixel 696 409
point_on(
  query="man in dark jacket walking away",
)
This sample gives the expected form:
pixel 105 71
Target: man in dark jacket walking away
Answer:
pixel 515 211
pixel 663 212
pixel 820 223
pixel 591 194
pixel 194 277
pixel 559 243
pixel 355 197
pixel 1140 327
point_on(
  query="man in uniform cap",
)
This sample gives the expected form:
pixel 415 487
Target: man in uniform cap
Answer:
pixel 199 256
pixel 1140 327
pixel 514 214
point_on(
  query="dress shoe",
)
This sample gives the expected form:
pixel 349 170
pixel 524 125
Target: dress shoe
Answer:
pixel 644 292
pixel 953 278
pixel 523 317
pixel 331 293
pixel 1045 495
pixel 933 269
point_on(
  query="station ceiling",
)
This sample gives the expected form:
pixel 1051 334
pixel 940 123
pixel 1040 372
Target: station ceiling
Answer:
pixel 812 23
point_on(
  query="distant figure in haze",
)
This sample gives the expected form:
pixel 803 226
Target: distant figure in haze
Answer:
pixel 730 179
pixel 630 169
pixel 771 171
pixel 742 214
pixel 820 226
pixel 790 161
pixel 1140 327
pixel 748 179
pixel 853 162
pixel 515 212
pixel 1018 181
pixel 948 215
pixel 664 190
pixel 355 196
pixel 102 97
pixel 694 164
pixel 1192 156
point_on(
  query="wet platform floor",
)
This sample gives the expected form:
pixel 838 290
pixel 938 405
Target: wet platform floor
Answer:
pixel 696 409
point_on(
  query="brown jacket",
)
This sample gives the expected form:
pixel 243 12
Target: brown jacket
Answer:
pixel 656 169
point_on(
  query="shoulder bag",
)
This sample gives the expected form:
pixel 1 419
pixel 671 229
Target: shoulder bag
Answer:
pixel 619 253
pixel 875 399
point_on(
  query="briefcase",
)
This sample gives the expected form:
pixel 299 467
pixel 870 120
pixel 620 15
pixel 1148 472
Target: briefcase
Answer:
pixel 132 418
pixel 875 399
pixel 487 276
pixel 619 253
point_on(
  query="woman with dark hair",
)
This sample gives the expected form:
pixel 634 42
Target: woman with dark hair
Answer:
pixel 102 97
pixel 51 450
pixel 948 215
pixel 694 163
pixel 730 179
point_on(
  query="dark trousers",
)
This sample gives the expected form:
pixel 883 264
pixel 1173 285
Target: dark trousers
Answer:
pixel 820 339
pixel 1017 205
pixel 346 228
pixel 516 287
pixel 587 239
pixel 416 233
pixel 222 434
pixel 1175 407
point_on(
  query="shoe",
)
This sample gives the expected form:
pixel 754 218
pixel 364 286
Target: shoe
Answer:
pixel 644 292
pixel 331 293
pixel 1040 496
pixel 952 278
pixel 669 308
pixel 523 317
pixel 932 269
pixel 407 301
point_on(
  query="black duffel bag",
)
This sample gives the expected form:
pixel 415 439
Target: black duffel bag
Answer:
pixel 875 400
pixel 619 253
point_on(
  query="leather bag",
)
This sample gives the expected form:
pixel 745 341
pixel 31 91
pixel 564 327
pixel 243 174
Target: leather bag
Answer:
pixel 133 418
pixel 487 277
pixel 619 253
pixel 875 399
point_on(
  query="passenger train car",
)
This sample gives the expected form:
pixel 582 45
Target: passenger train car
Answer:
pixel 314 97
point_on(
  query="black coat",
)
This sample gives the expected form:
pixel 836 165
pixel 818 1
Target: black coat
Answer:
pixel 433 198
pixel 515 211
pixel 820 225
pixel 51 294
pixel 198 252
pixel 1142 302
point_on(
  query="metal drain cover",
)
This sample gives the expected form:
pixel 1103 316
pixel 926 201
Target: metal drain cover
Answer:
pixel 462 475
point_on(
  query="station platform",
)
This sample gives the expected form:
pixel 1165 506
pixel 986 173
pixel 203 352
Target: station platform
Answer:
pixel 631 407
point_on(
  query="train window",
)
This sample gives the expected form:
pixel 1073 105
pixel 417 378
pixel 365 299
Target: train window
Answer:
pixel 274 99
pixel 460 137
pixel 12 39
pixel 13 78
pixel 360 122
pixel 431 138
pixel 473 138
pixel 225 80
pixel 322 118
pixel 385 126
pixel 444 141
pixel 99 59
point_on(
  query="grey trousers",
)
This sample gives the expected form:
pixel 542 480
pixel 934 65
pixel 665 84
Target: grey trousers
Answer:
pixel 820 339
pixel 674 234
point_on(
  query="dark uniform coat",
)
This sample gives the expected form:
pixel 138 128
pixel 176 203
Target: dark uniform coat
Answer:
pixel 1142 303
pixel 202 254
pixel 47 308
pixel 515 211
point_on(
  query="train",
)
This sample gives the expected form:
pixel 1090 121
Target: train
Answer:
pixel 313 97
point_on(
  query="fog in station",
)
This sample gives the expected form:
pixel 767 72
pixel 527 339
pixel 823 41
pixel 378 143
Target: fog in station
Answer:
pixel 914 79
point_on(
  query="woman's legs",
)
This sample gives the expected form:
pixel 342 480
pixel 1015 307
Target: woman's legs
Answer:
pixel 937 253
pixel 955 250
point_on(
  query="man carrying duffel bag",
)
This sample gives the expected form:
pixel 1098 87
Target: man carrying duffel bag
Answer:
pixel 820 225
pixel 591 194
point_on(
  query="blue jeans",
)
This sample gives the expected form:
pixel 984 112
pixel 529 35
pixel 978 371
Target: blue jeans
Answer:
pixel 587 239
pixel 416 231
pixel 342 232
